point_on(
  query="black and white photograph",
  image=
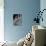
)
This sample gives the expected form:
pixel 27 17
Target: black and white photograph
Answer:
pixel 17 19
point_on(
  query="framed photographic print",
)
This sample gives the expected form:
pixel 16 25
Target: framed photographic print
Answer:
pixel 17 19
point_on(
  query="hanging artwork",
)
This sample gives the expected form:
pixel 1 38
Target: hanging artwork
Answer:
pixel 17 19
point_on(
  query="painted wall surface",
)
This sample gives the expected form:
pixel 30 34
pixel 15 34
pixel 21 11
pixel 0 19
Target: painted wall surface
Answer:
pixel 43 6
pixel 25 7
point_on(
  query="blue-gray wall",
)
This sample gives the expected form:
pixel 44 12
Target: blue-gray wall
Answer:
pixel 25 7
pixel 43 6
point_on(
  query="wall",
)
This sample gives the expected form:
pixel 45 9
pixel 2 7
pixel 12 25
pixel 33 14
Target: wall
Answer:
pixel 42 6
pixel 25 7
